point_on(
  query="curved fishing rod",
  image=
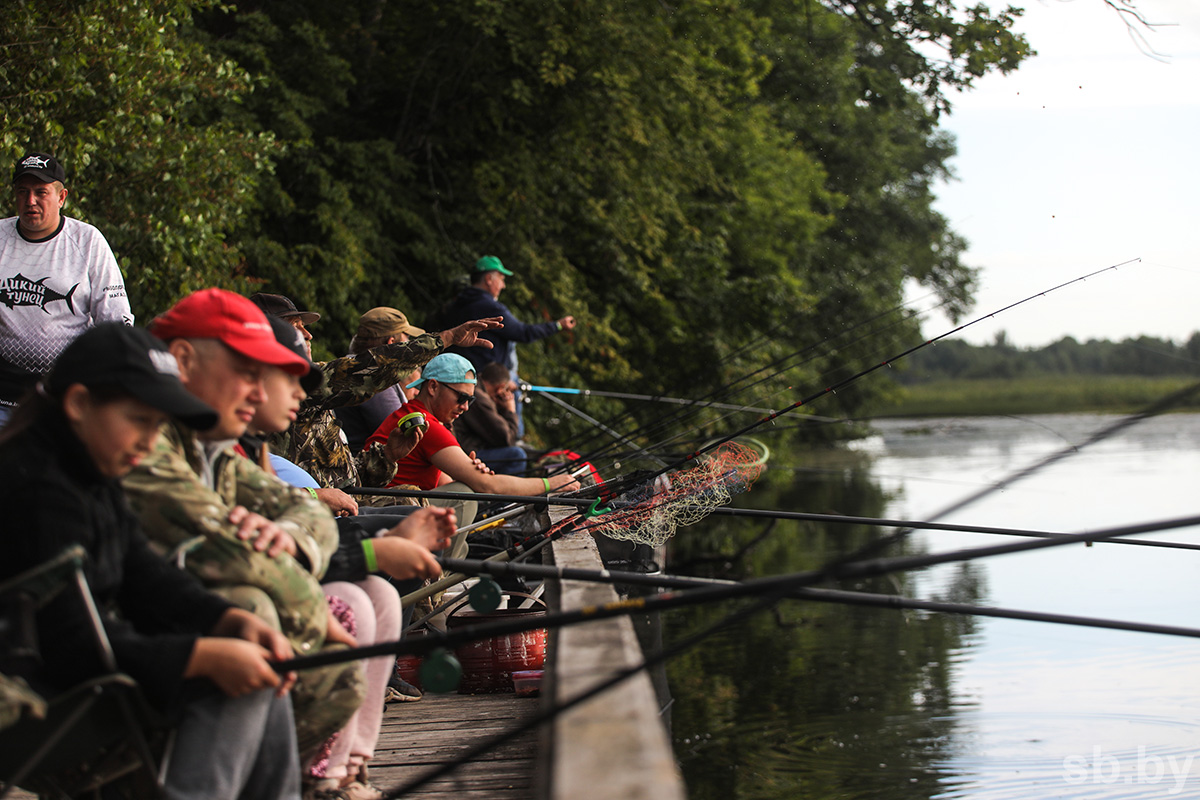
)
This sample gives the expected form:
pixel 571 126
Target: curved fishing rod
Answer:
pixel 769 585
pixel 731 389
pixel 497 570
pixel 772 370
pixel 842 384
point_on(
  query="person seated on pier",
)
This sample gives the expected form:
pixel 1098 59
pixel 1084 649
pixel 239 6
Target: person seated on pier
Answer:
pixel 248 536
pixel 397 547
pixel 444 391
pixel 200 661
pixel 316 441
pixel 376 328
pixel 489 425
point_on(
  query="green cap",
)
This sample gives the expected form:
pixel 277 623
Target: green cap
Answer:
pixel 488 263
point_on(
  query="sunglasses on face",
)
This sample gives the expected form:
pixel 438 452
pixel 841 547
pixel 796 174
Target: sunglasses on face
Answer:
pixel 464 399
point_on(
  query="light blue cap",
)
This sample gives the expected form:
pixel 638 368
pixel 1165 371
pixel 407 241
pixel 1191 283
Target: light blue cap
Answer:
pixel 446 368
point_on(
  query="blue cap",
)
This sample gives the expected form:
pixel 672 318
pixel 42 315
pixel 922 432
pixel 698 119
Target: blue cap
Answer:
pixel 446 368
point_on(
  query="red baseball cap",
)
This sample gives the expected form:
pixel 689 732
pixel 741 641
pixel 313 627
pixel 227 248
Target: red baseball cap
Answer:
pixel 234 321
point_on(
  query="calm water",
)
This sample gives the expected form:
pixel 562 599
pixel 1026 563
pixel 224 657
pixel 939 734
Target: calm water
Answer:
pixel 824 702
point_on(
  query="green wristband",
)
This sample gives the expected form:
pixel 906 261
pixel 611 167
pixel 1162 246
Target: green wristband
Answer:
pixel 312 491
pixel 369 551
pixel 546 483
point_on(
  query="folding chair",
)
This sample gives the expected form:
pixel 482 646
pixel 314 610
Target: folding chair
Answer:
pixel 89 735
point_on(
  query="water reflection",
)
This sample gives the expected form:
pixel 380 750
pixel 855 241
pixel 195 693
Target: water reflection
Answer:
pixel 825 701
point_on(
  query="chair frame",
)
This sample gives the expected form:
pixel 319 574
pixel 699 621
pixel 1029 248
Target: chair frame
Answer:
pixel 32 590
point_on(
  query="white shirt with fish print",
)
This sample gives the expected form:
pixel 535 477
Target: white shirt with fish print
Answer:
pixel 52 291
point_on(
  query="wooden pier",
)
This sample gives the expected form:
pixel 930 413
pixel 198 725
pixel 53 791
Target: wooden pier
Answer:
pixel 417 737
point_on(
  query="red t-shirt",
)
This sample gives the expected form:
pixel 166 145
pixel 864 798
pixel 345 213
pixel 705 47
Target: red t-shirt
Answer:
pixel 417 467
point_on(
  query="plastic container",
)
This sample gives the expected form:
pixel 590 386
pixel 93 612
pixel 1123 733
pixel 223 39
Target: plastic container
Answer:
pixel 527 682
pixel 488 664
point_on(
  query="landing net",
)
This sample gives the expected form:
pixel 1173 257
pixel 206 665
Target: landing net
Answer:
pixel 650 514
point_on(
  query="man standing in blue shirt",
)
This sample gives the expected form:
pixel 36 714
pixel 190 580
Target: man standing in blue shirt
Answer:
pixel 482 299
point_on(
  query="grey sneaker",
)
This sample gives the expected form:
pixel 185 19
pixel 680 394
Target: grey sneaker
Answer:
pixel 401 691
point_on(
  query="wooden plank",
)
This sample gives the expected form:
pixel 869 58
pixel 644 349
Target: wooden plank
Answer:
pixel 618 727
pixel 417 737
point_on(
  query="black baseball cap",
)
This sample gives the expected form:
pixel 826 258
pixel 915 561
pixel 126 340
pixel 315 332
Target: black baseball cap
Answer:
pixel 42 166
pixel 289 336
pixel 276 305
pixel 131 359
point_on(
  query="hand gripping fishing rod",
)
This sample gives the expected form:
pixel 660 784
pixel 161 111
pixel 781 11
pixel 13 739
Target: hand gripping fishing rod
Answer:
pixel 842 384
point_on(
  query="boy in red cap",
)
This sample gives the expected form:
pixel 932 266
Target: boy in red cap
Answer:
pixel 247 535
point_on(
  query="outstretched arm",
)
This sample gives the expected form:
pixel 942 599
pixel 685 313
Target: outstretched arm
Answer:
pixel 461 467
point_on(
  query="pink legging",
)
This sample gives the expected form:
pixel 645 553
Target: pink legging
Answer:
pixel 376 606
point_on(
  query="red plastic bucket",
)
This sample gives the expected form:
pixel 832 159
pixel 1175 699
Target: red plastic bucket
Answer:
pixel 488 664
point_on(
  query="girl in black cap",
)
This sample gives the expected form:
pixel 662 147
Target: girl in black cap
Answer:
pixel 198 659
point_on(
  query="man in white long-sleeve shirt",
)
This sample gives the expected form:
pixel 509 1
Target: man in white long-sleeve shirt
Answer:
pixel 58 277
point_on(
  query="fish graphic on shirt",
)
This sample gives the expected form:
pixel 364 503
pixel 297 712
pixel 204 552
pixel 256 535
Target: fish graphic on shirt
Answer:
pixel 20 291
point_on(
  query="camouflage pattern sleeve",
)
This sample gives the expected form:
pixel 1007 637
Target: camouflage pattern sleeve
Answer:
pixel 351 380
pixel 182 516
pixel 307 519
pixel 374 467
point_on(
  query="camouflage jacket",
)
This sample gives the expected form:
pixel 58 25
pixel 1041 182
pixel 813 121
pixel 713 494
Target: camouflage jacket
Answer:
pixel 181 514
pixel 316 442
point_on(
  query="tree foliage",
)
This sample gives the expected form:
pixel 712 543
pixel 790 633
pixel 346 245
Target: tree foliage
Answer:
pixel 1142 355
pixel 117 90
pixel 707 186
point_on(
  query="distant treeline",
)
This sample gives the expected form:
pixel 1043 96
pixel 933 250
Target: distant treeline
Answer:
pixel 1143 355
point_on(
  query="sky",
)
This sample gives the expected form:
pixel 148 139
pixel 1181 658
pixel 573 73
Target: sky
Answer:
pixel 1087 156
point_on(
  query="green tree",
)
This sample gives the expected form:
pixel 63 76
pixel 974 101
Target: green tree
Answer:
pixel 117 90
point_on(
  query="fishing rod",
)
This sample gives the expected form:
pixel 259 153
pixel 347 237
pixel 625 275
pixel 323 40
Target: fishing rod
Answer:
pixel 930 525
pixel 1154 409
pixel 549 712
pixel 525 387
pixel 730 389
pixel 887 362
pixel 622 439
pixel 714 593
pixel 808 593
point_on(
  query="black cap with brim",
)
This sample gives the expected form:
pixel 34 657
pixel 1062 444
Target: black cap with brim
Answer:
pixel 42 166
pixel 130 359
pixel 287 335
pixel 276 305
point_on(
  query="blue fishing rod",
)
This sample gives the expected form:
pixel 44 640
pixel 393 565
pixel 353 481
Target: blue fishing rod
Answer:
pixel 772 369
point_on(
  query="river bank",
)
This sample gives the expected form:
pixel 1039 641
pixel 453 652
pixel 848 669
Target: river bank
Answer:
pixel 1041 394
